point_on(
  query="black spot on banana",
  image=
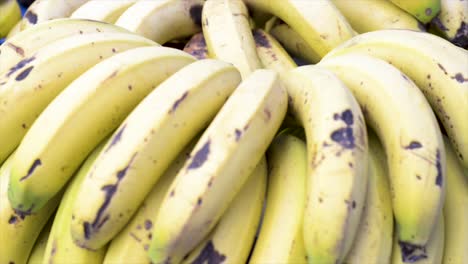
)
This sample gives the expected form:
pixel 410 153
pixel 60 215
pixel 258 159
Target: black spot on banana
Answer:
pixel 33 167
pixel 116 137
pixel 24 73
pixel 412 253
pixel 31 17
pixel 439 170
pixel 414 145
pixel 19 66
pixel 260 39
pixel 177 102
pixel 200 157
pixel 209 255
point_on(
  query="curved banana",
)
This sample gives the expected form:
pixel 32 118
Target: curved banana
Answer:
pixel 294 43
pixel 271 54
pixel 423 10
pixel 452 21
pixel 13 31
pixel 132 243
pixel 455 210
pixel 145 144
pixel 44 10
pixel 163 20
pixel 219 165
pixel 19 232
pixel 397 111
pixel 10 14
pixel 102 10
pixel 25 43
pixel 373 242
pixel 436 66
pixel 318 22
pixel 337 161
pixel 371 15
pixel 60 247
pixel 38 251
pixel 228 35
pixel 28 87
pixel 232 238
pixel 53 148
pixel 196 46
pixel 280 239
pixel 432 253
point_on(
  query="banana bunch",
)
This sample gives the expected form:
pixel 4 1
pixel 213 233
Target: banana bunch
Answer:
pixel 196 131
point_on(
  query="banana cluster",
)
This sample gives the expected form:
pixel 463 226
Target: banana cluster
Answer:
pixel 234 131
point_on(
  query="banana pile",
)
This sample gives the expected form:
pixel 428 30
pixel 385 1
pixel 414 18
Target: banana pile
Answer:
pixel 234 131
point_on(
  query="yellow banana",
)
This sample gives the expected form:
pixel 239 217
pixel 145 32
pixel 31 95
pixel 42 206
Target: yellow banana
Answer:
pixel 145 144
pixel 436 66
pixel 196 46
pixel 37 252
pixel 163 20
pixel 102 10
pixel 397 111
pixel 231 240
pixel 219 165
pixel 280 239
pixel 337 161
pixel 452 21
pixel 228 35
pixel 10 14
pixel 423 10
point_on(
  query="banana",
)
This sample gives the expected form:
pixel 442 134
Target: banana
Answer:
pixel 163 20
pixel 271 54
pixel 228 35
pixel 37 252
pixel 337 161
pixel 145 144
pixel 294 43
pixel 452 21
pixel 318 22
pixel 423 10
pixel 219 165
pixel 431 254
pixel 55 138
pixel 455 210
pixel 373 242
pixel 43 10
pixel 436 66
pixel 13 31
pixel 10 14
pixel 371 15
pixel 102 10
pixel 397 111
pixel 25 43
pixel 60 247
pixel 132 243
pixel 28 87
pixel 196 46
pixel 18 232
pixel 232 238
pixel 280 239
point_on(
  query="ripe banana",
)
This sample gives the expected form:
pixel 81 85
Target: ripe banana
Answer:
pixel 423 10
pixel 37 252
pixel 28 87
pixel 10 14
pixel 232 238
pixel 294 43
pixel 60 247
pixel 102 10
pixel 196 46
pixel 163 20
pixel 452 21
pixel 271 54
pixel 432 253
pixel 337 161
pixel 397 111
pixel 19 231
pixel 132 243
pixel 145 144
pixel 228 35
pixel 43 10
pixel 318 22
pixel 436 66
pixel 371 15
pixel 373 242
pixel 219 165
pixel 455 210
pixel 280 239
pixel 27 42
pixel 53 148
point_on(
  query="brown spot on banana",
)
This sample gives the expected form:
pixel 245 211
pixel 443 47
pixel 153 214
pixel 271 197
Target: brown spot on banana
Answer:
pixel 31 170
pixel 209 255
pixel 17 49
pixel 200 156
pixel 177 102
pixel 116 138
pixel 412 253
pixel 31 17
pixel 19 65
pixel 413 145
pixel 459 78
pixel 260 39
pixel 22 75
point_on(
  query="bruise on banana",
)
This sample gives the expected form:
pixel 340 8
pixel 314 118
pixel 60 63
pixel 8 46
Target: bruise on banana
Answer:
pixel 116 138
pixel 414 145
pixel 21 64
pixel 177 102
pixel 210 255
pixel 344 136
pixel 31 17
pixel 36 163
pixel 109 190
pixel 261 39
pixel 200 156
pixel 412 253
pixel 18 50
